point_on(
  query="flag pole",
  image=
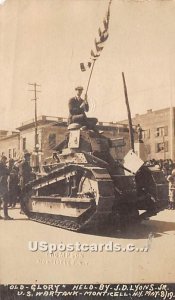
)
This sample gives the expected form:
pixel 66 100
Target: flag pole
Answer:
pixel 129 114
pixel 102 39
pixel 90 77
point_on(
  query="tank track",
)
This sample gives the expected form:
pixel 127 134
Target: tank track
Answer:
pixel 56 222
pixel 94 218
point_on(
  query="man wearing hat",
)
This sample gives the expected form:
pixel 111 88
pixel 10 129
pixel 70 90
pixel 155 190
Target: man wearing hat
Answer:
pixel 13 183
pixel 4 193
pixel 77 109
pixel 25 172
pixel 171 180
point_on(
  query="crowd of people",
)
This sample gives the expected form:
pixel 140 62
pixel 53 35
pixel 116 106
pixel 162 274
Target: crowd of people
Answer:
pixel 168 168
pixel 13 177
pixel 166 165
pixel 171 180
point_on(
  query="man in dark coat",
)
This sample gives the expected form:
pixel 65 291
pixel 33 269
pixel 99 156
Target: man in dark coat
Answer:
pixel 13 183
pixel 4 193
pixel 140 133
pixel 77 109
pixel 25 173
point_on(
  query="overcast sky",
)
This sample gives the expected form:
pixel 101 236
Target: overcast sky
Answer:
pixel 44 41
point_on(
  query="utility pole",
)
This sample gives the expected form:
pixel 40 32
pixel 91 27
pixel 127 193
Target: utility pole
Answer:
pixel 171 126
pixel 35 85
pixel 131 135
pixel 171 132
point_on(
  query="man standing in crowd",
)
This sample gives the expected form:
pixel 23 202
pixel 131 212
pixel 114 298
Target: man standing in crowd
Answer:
pixel 4 193
pixel 171 179
pixel 13 183
pixel 25 172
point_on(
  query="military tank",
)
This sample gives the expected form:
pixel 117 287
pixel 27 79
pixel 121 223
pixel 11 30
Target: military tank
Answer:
pixel 85 189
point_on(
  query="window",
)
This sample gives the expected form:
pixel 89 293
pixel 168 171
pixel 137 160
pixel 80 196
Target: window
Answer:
pixel 146 134
pixel 166 146
pixel 10 153
pixel 14 152
pixel 162 131
pixel 166 130
pixel 52 140
pixel 24 144
pixel 163 146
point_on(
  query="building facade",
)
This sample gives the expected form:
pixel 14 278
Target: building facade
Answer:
pixel 50 132
pixel 10 145
pixel 158 136
pixel 158 132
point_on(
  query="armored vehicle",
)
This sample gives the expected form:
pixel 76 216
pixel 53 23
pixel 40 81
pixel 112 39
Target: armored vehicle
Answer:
pixel 85 189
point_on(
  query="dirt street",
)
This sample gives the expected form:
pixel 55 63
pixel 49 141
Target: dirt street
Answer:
pixel 144 253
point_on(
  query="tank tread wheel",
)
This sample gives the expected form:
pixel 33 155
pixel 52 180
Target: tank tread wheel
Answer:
pixel 56 222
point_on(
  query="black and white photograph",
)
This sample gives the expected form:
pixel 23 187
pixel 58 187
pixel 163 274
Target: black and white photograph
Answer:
pixel 87 149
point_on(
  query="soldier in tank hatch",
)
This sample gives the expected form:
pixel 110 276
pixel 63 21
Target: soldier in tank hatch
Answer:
pixel 77 109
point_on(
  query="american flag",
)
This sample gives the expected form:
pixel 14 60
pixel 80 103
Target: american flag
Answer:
pixel 99 42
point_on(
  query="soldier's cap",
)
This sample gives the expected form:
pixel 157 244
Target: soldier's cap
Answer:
pixel 79 87
pixel 27 153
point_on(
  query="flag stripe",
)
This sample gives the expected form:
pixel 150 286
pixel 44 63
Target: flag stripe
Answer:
pixel 103 35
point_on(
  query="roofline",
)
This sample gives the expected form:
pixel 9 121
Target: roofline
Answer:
pixel 41 120
pixel 149 111
pixel 58 121
pixel 10 136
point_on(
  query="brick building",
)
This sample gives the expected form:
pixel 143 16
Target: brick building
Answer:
pixel 159 132
pixel 51 131
pixel 9 144
pixel 158 135
pixel 3 133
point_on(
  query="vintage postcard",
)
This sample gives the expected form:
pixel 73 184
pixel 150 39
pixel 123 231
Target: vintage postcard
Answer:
pixel 87 149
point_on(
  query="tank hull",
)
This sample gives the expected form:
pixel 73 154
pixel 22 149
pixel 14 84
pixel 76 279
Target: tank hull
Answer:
pixel 88 191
